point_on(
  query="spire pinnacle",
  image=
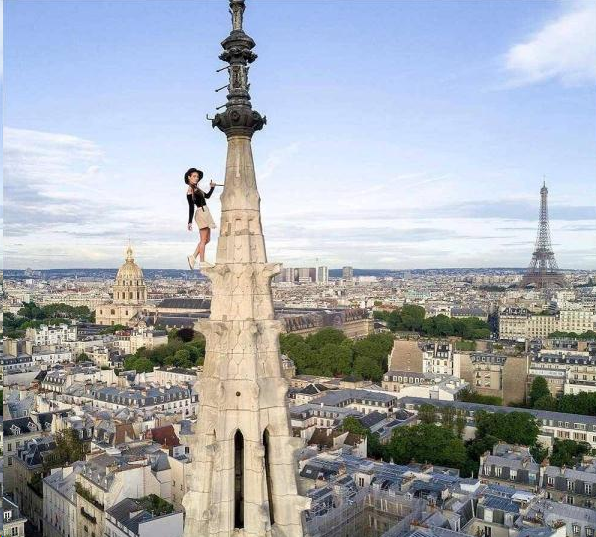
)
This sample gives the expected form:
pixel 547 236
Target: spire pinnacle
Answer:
pixel 239 118
pixel 237 8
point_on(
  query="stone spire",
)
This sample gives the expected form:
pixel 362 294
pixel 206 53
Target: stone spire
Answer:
pixel 243 477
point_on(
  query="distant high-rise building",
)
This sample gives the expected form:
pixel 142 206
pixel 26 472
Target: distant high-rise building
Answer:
pixel 303 275
pixel 347 273
pixel 322 274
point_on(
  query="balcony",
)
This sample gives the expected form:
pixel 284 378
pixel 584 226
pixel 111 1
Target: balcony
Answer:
pixel 89 517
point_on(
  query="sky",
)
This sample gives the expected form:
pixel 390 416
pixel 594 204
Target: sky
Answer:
pixel 400 134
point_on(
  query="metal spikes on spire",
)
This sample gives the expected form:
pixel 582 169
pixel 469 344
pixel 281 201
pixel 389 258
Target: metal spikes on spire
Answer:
pixel 238 118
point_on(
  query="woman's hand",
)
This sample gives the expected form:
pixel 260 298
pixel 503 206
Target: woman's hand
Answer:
pixel 189 227
pixel 212 184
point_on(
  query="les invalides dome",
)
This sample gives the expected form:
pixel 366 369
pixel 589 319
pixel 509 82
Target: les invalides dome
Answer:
pixel 129 287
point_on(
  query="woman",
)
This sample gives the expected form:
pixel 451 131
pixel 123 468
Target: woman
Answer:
pixel 203 218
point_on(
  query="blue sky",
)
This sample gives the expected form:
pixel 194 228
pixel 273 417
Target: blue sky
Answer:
pixel 404 134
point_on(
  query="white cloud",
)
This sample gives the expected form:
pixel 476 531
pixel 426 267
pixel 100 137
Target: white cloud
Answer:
pixel 564 49
pixel 275 159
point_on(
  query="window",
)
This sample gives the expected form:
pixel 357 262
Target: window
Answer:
pixel 498 471
pixel 576 529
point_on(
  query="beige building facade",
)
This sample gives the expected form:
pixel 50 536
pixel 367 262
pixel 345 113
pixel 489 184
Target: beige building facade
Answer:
pixel 406 355
pixel 494 374
pixel 518 324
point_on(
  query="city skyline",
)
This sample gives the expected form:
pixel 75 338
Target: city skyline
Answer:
pixel 433 159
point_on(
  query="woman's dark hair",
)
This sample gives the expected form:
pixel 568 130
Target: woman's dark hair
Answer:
pixel 190 172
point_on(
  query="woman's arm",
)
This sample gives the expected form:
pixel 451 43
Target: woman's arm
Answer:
pixel 208 194
pixel 191 207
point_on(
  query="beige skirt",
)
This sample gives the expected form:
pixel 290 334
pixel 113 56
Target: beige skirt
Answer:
pixel 203 218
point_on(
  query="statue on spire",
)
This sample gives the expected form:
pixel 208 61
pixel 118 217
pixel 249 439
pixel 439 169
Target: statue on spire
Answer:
pixel 237 10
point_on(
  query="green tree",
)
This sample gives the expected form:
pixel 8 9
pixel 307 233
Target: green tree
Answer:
pixel 448 417
pixel 539 452
pixel 180 359
pixel 568 452
pixel 513 427
pixel 538 390
pixel 337 358
pixel 427 414
pixel 411 317
pixel 325 336
pixel 427 443
pixel 546 402
pixel 460 423
pixel 375 449
pixel 69 449
pixel 470 396
pixel 367 368
pixel 140 365
pixel 480 445
pixel 82 357
pixel 156 505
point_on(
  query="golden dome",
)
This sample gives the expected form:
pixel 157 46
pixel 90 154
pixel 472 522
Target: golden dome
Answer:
pixel 129 287
pixel 129 271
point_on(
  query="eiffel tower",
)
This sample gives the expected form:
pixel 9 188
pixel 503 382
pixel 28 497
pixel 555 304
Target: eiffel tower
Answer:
pixel 543 271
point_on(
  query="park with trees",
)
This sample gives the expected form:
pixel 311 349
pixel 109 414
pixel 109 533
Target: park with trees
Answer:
pixel 412 318
pixel 330 353
pixel 185 348
pixel 540 398
pixel 32 316
pixel 438 439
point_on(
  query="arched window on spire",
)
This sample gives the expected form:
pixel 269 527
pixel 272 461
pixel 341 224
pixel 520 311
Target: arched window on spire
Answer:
pixel 238 480
pixel 267 447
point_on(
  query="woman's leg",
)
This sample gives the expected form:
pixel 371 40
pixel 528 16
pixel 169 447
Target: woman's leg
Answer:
pixel 200 251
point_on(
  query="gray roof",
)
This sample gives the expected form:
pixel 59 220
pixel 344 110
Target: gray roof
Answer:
pixel 515 464
pixel 337 397
pixel 185 303
pixel 475 407
pixel 571 473
pixel 130 514
pixel 65 485
pixel 553 511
